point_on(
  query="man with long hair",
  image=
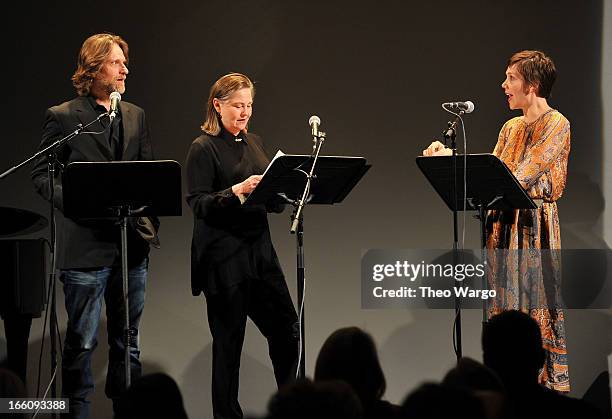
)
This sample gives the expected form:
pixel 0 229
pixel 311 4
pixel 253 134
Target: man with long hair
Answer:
pixel 89 250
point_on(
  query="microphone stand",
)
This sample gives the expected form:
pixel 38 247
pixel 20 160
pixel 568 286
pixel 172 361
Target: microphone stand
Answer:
pixel 450 134
pixel 297 228
pixel 52 161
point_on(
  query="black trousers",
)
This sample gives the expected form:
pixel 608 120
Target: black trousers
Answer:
pixel 268 304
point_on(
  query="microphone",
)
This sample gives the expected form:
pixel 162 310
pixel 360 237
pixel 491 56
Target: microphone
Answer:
pixel 115 98
pixel 314 123
pixel 467 107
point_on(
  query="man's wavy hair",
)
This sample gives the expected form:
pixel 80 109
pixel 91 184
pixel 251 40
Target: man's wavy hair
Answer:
pixel 94 52
pixel 222 90
pixel 537 69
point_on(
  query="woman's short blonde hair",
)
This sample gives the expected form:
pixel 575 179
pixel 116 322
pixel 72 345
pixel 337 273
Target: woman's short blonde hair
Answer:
pixel 222 90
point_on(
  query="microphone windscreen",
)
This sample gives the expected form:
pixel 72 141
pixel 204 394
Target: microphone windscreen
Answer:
pixel 115 96
pixel 314 119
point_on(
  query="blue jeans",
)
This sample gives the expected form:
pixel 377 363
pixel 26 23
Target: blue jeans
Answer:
pixel 83 291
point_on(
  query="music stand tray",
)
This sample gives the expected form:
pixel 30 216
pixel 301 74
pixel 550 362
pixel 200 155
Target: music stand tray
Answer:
pixel 335 178
pixel 97 189
pixel 489 182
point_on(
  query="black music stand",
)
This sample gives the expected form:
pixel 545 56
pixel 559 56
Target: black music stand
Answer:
pixel 490 185
pixel 335 178
pixel 283 182
pixel 122 189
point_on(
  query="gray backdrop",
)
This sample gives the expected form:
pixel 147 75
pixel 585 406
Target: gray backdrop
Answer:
pixel 376 74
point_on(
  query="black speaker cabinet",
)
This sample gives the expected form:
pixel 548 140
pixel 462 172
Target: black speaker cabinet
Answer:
pixel 22 276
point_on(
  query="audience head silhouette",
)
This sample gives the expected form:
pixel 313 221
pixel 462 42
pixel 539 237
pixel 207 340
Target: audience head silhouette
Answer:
pixel 474 376
pixel 349 354
pixel 137 403
pixel 437 401
pixel 306 400
pixel 512 347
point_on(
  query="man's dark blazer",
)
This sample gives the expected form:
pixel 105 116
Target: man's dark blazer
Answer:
pixel 91 244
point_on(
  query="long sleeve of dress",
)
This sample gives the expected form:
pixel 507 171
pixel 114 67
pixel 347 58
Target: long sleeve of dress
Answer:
pixel 202 191
pixel 551 143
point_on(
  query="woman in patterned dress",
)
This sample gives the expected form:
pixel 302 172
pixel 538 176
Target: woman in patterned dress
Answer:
pixel 535 147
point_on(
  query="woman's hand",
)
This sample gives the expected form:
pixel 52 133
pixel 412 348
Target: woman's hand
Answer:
pixel 246 186
pixel 437 149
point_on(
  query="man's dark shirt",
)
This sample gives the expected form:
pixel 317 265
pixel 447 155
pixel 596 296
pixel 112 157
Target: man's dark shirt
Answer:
pixel 114 134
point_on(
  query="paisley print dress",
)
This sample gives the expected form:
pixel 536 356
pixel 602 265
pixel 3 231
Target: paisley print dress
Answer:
pixel 526 274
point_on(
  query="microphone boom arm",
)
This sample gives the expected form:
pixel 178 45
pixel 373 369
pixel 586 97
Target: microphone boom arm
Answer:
pixel 54 146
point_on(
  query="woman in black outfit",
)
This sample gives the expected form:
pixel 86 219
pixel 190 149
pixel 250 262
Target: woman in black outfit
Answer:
pixel 233 261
